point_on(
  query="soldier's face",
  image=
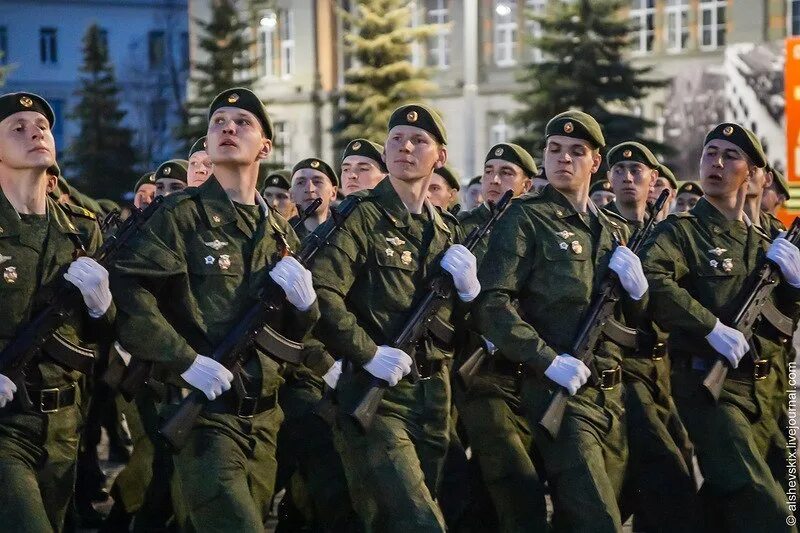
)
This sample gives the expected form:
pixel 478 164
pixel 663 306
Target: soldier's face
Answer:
pixel 200 168
pixel 631 182
pixel 569 163
pixel 474 195
pixel 759 181
pixel 771 199
pixel 235 137
pixel 440 193
pixel 26 141
pixel 602 198
pixel 724 169
pixel 538 184
pixel 659 185
pixel 359 173
pixel 144 195
pixel 500 176
pixel 167 186
pixel 279 200
pixel 308 185
pixel 685 202
pixel 412 153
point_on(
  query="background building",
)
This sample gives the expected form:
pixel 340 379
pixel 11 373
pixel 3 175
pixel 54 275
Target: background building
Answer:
pixel 148 44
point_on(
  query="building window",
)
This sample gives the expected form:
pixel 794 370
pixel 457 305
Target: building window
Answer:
pixel 280 152
pixel 3 45
pixel 439 43
pixel 712 23
pixel 505 33
pixel 534 7
pixel 643 16
pixel 500 131
pixel 48 46
pixel 677 21
pixel 276 44
pixel 156 48
pixel 794 17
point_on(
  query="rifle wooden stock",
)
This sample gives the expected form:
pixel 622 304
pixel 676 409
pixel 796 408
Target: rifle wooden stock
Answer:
pixel 601 308
pixel 440 290
pixel 231 350
pixel 749 314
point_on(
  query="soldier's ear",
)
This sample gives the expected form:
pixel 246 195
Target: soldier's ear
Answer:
pixel 596 160
pixel 266 149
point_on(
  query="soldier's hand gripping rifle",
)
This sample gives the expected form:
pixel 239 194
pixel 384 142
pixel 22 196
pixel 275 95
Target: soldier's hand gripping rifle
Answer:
pixel 757 305
pixel 441 287
pixel 234 347
pixel 591 330
pixel 33 335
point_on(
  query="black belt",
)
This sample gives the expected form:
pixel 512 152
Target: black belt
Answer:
pixel 244 407
pixel 609 379
pixel 501 365
pixel 52 400
pixel 69 354
pixel 427 369
pixel 756 370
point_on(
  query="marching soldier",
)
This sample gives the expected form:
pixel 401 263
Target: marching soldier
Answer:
pixel 491 411
pixel 665 181
pixel 145 190
pixel 697 264
pixel 183 284
pixel 550 251
pixel 200 166
pixel 312 178
pixel 688 195
pixel 362 166
pixel 600 193
pixel 276 193
pixel 776 193
pixel 659 488
pixel 39 241
pixel 472 195
pixel 368 280
pixel 444 187
pixel 171 177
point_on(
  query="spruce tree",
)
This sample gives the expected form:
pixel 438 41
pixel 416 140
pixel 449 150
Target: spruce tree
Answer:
pixel 101 157
pixel 584 44
pixel 382 77
pixel 225 62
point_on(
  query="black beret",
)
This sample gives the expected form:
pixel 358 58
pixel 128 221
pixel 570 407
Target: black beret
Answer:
pixel 243 99
pixel 741 137
pixel 665 172
pixel 513 153
pixel 173 169
pixel 475 181
pixel 450 176
pixel 149 177
pixel 691 187
pixel 600 186
pixel 365 148
pixel 11 103
pixel 779 180
pixel 631 151
pixel 419 116
pixel 199 145
pixel 278 178
pixel 54 170
pixel 317 164
pixel 578 125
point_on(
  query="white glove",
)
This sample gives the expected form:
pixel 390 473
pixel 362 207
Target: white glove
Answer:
pixel 728 342
pixel 7 390
pixel 331 377
pixel 124 354
pixel 568 372
pixel 295 280
pixel 462 266
pixel 389 364
pixel 629 269
pixel 787 257
pixel 91 278
pixel 208 376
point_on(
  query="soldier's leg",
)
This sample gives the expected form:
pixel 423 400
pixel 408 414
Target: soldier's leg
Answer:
pixel 261 464
pixel 737 478
pixel 501 440
pixel 585 463
pixel 57 475
pixel 130 484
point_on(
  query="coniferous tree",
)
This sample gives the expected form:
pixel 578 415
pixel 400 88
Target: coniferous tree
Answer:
pixel 382 76
pixel 226 61
pixel 584 66
pixel 101 158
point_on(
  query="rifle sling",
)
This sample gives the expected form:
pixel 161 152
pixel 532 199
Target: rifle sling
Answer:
pixel 69 354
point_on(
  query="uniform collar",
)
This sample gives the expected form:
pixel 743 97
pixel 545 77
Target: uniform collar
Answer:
pixel 59 218
pixel 561 207
pixel 219 209
pixel 395 210
pixel 10 219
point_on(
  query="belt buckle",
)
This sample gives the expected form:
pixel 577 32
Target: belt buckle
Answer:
pixel 247 407
pixel 42 393
pixel 761 369
pixel 659 350
pixel 604 382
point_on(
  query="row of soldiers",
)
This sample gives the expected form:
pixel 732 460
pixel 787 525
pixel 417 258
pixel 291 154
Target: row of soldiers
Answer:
pixel 636 417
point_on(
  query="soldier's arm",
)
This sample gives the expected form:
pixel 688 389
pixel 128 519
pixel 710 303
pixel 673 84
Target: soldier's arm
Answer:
pixel 334 271
pixel 671 305
pixel 101 328
pixel 501 279
pixel 143 274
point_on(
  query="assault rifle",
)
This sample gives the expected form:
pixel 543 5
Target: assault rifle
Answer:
pixel 600 311
pixel 39 330
pixel 441 287
pixel 756 306
pixel 233 349
pixel 307 212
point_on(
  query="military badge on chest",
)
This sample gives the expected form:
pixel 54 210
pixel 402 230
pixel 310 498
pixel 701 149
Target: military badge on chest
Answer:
pixel 10 274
